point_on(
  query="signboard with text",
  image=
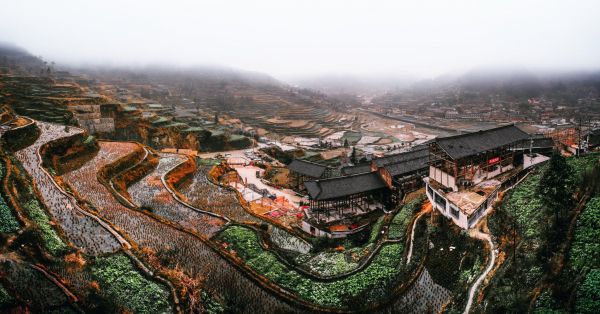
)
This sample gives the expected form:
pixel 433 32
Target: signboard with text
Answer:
pixel 494 160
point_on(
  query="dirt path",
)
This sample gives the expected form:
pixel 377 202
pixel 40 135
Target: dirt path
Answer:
pixel 475 233
pixel 424 210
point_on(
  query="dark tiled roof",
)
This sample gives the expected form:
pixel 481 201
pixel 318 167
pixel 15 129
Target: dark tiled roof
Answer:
pixel 350 170
pixel 421 151
pixel 344 186
pixel 539 141
pixel 307 168
pixel 464 145
pixel 406 167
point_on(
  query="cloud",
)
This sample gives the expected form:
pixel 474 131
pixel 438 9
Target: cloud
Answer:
pixel 287 38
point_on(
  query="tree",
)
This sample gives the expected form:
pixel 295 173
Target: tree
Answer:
pixel 353 155
pixel 346 142
pixel 556 185
pixel 216 118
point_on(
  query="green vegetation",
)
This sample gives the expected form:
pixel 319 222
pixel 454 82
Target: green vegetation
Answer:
pixel 332 262
pixel 326 263
pixel 376 229
pixel 585 251
pixel 5 297
pixel 524 205
pixel 208 162
pixel 88 140
pixel 127 288
pixel 160 120
pixel 399 224
pixel 351 137
pixel 211 306
pixel 53 243
pixel 370 285
pixel 8 221
pixel 538 211
pixel 556 188
pixel 588 293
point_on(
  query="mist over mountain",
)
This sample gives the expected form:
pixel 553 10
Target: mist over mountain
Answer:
pixel 353 84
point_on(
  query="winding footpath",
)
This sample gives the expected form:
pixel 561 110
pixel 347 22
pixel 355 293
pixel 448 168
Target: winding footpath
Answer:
pixel 474 233
pixel 426 209
pixel 185 204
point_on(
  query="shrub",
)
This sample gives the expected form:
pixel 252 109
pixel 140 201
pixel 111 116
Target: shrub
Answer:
pixel 52 241
pixel 588 293
pixel 5 297
pixel 376 229
pixel 585 251
pixel 8 222
pixel 370 285
pixel 400 221
pixel 127 288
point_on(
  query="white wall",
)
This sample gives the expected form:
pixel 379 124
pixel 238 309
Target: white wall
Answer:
pixel 461 221
pixel 443 178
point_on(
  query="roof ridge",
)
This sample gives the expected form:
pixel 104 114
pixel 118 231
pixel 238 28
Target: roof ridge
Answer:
pixel 344 177
pixel 310 162
pixel 478 132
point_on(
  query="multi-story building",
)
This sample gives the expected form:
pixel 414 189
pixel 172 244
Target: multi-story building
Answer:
pixel 467 171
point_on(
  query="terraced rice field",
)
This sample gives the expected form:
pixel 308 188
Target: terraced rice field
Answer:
pixel 202 193
pixel 81 230
pixel 179 248
pixel 152 194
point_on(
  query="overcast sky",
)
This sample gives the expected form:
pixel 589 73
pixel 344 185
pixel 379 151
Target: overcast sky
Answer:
pixel 299 38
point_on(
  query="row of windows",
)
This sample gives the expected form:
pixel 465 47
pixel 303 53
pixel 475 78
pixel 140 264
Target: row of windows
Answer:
pixel 441 202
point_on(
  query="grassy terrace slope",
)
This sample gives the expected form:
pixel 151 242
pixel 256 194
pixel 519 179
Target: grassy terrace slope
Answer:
pixel 8 220
pixel 382 279
pixel 120 281
pixel 523 219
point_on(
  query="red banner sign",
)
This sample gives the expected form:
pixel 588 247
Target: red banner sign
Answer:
pixel 494 160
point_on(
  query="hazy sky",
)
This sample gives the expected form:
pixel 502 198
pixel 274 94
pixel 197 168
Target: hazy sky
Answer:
pixel 289 38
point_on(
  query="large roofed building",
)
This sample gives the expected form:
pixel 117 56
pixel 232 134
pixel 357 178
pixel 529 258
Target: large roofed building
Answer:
pixel 335 205
pixel 303 170
pixel 467 171
pixel 335 199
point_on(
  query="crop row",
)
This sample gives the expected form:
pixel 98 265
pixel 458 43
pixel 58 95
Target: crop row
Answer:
pixel 150 193
pixel 202 193
pixel 174 247
pixel 83 231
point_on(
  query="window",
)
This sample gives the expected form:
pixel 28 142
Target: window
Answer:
pixel 440 201
pixel 454 211
pixel 429 191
